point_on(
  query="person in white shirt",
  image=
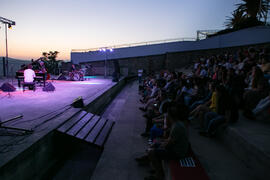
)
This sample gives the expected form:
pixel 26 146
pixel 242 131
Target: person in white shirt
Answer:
pixel 29 75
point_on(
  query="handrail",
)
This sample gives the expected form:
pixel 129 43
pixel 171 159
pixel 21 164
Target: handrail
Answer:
pixel 136 44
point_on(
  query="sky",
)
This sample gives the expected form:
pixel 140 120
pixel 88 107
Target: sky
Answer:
pixel 63 25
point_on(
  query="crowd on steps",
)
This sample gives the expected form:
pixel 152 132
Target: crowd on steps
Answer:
pixel 215 91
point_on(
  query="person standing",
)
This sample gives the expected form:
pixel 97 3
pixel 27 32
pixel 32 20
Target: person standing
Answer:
pixel 140 73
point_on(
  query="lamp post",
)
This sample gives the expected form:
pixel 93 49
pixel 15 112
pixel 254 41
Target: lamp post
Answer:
pixel 6 50
pixel 106 58
pixel 8 23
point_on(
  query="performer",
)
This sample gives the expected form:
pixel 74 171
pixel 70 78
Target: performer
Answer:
pixel 75 75
pixel 29 74
pixel 42 69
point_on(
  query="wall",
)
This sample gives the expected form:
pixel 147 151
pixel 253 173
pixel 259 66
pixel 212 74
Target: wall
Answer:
pixel 255 35
pixel 44 154
pixel 171 61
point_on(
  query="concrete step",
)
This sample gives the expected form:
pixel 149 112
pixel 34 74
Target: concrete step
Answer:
pixel 250 141
pixel 217 159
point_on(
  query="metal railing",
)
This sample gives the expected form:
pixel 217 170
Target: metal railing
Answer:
pixel 136 44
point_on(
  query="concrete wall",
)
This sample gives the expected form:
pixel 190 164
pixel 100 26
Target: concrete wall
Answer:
pixel 42 156
pixel 154 63
pixel 255 35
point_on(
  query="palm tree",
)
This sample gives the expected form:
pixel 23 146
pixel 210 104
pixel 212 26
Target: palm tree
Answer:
pixel 236 19
pixel 254 9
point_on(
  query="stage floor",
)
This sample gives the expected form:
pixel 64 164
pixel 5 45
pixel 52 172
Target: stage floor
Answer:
pixel 34 104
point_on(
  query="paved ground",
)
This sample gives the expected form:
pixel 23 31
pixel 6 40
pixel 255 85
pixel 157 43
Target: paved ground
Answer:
pixel 124 143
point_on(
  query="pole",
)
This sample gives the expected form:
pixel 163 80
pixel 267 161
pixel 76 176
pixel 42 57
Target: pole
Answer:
pixel 105 73
pixel 6 65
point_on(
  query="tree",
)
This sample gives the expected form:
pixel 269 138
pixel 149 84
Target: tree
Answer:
pixel 236 19
pixel 254 9
pixel 248 13
pixel 52 55
pixel 50 61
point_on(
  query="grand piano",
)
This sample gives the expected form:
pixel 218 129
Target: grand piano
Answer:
pixel 40 77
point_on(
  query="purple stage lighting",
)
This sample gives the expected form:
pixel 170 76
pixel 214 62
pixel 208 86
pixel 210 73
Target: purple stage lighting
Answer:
pixel 111 49
pixel 103 49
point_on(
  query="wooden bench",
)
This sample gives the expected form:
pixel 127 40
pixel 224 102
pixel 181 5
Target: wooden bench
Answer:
pixel 87 127
pixel 188 168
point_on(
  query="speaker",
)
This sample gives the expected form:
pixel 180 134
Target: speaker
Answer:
pixel 49 87
pixel 6 87
pixel 61 77
pixel 78 102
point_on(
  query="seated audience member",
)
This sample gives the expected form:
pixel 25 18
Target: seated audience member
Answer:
pixel 186 93
pixel 225 112
pixel 153 92
pixel 259 90
pixel 262 110
pixel 204 99
pixel 266 66
pixel 174 147
pixel 211 105
pixel 155 110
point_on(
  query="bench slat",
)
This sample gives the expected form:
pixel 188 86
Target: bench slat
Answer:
pixel 78 126
pixel 94 133
pixel 88 127
pixel 66 126
pixel 100 141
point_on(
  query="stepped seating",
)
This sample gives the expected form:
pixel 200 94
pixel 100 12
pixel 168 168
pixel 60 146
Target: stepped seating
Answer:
pixel 250 141
pixel 187 168
pixel 87 127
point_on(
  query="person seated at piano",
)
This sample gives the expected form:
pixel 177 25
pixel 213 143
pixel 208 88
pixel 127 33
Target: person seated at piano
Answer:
pixel 29 75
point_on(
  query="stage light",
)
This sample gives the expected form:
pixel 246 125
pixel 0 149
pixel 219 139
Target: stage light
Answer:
pixel 8 23
pixel 111 49
pixel 103 49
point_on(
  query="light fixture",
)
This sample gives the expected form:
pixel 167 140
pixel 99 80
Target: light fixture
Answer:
pixel 8 23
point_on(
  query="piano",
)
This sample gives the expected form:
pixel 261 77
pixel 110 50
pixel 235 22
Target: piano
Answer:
pixel 40 77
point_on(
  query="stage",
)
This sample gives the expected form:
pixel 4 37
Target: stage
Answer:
pixel 33 104
pixel 44 111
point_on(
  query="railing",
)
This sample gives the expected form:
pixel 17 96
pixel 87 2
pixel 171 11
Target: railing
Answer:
pixel 136 44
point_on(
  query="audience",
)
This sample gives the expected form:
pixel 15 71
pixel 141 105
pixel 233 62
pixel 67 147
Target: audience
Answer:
pixel 217 89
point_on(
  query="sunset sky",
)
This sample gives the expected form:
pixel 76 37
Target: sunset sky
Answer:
pixel 62 25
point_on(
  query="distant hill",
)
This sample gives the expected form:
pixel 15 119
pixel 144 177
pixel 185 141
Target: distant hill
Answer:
pixel 13 60
pixel 13 65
